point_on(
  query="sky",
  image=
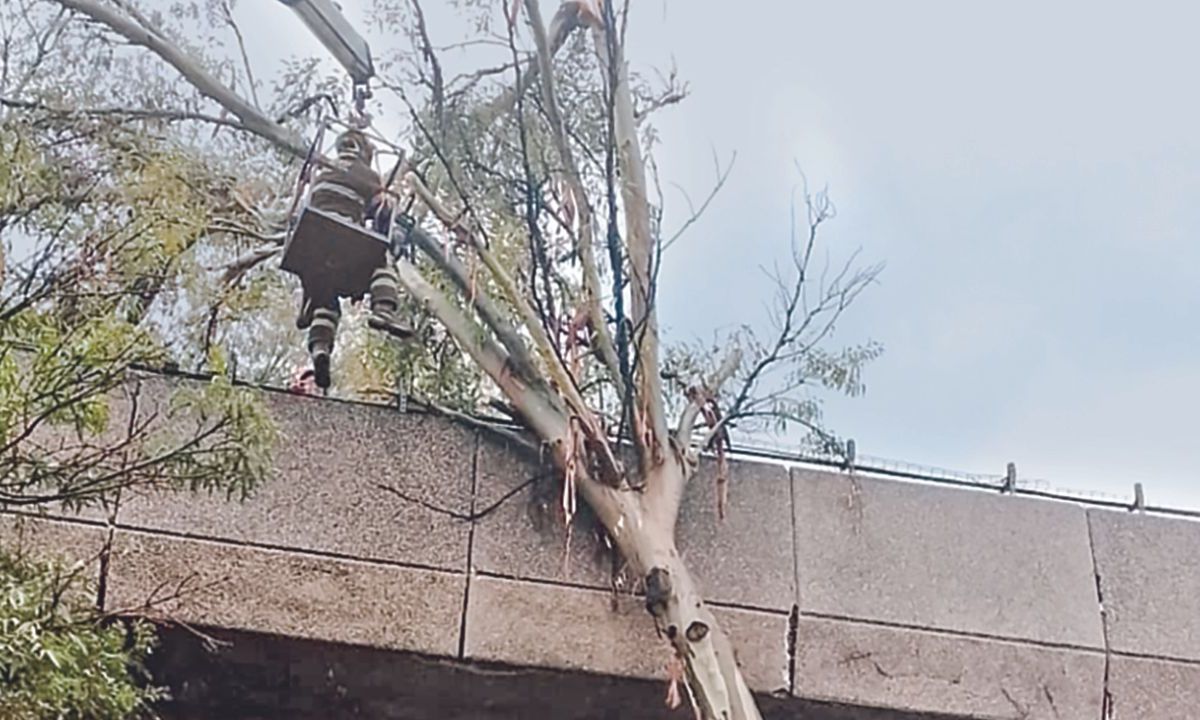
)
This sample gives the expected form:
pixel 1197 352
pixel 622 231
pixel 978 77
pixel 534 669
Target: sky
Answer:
pixel 1028 172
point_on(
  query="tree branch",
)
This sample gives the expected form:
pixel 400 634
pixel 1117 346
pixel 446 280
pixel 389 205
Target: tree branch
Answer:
pixel 639 239
pixel 488 312
pixel 150 38
pixel 237 32
pixel 538 413
pixel 541 341
pixel 696 213
pixel 708 389
pixel 570 15
pixel 584 239
pixel 126 113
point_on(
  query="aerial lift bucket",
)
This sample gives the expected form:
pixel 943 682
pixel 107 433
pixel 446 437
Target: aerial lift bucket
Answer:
pixel 331 255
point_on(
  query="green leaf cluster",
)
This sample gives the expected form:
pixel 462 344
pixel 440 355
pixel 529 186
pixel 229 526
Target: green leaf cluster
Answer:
pixel 58 659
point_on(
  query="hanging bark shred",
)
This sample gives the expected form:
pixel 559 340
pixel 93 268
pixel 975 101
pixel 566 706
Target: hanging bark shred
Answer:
pixel 566 561
pixel 722 482
pixel 720 445
pixel 570 469
pixel 675 676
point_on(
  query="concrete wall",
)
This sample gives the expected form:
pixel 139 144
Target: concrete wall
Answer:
pixel 840 591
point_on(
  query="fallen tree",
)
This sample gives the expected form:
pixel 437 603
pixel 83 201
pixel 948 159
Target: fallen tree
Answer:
pixel 541 249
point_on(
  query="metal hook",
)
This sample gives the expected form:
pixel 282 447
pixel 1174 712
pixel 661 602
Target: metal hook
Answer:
pixel 360 119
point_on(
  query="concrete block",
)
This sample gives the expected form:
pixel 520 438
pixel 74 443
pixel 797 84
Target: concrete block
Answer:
pixel 760 645
pixel 944 558
pixel 230 586
pixel 77 546
pixel 524 536
pixel 745 559
pixel 525 623
pixel 540 625
pixel 924 672
pixel 325 495
pixel 1153 689
pixel 1149 570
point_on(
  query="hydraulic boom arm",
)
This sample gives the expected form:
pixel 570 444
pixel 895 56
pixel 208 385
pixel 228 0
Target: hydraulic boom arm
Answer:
pixel 329 25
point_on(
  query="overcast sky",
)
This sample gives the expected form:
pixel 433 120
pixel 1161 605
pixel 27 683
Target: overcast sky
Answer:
pixel 1028 171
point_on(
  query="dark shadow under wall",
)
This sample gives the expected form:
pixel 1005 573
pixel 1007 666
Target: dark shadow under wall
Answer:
pixel 253 676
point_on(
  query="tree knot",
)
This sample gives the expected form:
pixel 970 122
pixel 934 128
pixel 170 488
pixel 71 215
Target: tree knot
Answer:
pixel 658 591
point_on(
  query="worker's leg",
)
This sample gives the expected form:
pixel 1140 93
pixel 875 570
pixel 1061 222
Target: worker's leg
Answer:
pixel 385 304
pixel 321 334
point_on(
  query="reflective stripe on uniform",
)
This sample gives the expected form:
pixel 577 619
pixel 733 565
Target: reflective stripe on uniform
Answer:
pixel 385 291
pixel 323 328
pixel 384 276
pixel 326 316
pixel 337 189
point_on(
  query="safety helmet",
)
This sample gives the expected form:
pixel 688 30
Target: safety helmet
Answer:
pixel 353 143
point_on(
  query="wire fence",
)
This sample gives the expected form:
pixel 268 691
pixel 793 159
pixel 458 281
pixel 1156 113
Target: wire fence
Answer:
pixel 900 469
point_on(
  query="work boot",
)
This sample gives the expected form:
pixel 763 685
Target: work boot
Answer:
pixel 389 324
pixel 321 358
pixel 321 334
pixel 385 302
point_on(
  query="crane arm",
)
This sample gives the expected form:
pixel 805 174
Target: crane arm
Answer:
pixel 329 26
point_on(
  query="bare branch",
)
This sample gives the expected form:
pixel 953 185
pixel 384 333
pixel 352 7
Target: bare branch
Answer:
pixel 672 94
pixel 438 84
pixel 570 16
pixel 696 213
pixel 245 263
pixel 126 114
pixel 652 433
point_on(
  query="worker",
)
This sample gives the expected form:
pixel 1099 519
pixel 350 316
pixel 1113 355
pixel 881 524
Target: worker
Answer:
pixel 348 187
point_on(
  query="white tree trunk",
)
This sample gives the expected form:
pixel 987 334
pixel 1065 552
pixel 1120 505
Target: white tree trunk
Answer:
pixel 645 535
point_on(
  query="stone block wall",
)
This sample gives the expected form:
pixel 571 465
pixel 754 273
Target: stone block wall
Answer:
pixel 400 532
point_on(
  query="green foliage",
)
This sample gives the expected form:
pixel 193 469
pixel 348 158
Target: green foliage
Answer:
pixel 59 378
pixel 109 232
pixel 22 176
pixel 431 369
pixel 842 370
pixel 777 388
pixel 58 660
pixel 98 230
pixel 65 441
